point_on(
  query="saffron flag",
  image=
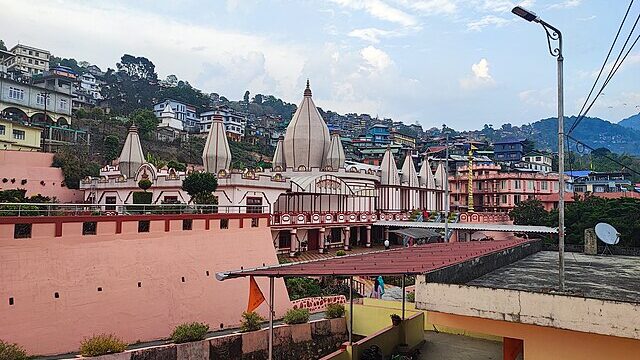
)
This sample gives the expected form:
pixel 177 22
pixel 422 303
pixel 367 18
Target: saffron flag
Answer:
pixel 255 295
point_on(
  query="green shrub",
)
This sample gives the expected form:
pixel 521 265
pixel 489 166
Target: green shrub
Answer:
pixel 411 297
pixel 296 316
pixel 189 332
pixel 251 321
pixel 341 253
pixel 142 197
pixel 302 287
pixel 144 184
pixel 334 311
pixel 101 344
pixel 12 351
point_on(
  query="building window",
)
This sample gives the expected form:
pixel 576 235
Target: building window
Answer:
pixel 530 185
pixel 16 94
pixel 2 129
pixel 63 104
pixel 187 224
pixel 255 222
pixel 545 185
pixel 144 226
pixel 503 184
pixel 89 228
pixel 22 231
pixel 516 184
pixel 18 134
pixel 224 223
pixel 110 200
pixel 538 158
pixel 503 199
pixel 254 205
pixel 516 199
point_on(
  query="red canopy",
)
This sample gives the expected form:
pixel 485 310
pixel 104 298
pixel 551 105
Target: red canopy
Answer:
pixel 403 261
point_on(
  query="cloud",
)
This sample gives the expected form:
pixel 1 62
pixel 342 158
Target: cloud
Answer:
pixel 372 34
pixel 568 4
pixel 376 59
pixel 489 20
pixel 588 18
pixel 545 98
pixel 430 7
pixel 380 10
pixel 481 77
pixel 502 6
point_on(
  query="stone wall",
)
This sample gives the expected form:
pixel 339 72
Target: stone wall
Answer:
pixel 302 342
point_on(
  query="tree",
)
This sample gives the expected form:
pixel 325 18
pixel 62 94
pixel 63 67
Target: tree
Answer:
pixel 137 68
pixel 146 121
pixel 528 146
pixel 144 184
pixel 156 161
pixel 111 148
pixel 529 212
pixel 2 46
pixel 133 85
pixel 75 166
pixel 171 81
pixel 246 97
pixel 178 166
pixel 200 186
pixel 258 99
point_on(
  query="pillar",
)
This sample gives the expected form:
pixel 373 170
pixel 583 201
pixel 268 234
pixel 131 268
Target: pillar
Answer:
pixel 590 242
pixel 358 235
pixel 294 242
pixel 368 238
pixel 386 233
pixel 347 238
pixel 321 244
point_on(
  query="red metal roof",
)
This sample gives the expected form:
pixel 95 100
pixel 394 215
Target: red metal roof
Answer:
pixel 410 261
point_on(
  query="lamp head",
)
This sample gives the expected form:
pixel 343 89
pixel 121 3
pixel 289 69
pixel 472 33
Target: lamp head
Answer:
pixel 525 14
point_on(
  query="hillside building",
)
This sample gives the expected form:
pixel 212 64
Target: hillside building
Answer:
pixel 509 151
pixel 235 123
pixel 27 59
pixel 185 113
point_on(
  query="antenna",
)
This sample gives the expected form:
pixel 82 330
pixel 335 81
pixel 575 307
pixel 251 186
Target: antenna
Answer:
pixel 608 235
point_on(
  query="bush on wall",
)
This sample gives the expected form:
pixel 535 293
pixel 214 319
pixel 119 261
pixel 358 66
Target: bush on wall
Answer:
pixel 251 321
pixel 296 316
pixel 101 345
pixel 188 332
pixel 12 351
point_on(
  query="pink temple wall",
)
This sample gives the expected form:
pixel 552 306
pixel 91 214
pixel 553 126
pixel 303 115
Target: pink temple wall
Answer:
pixel 35 167
pixel 75 266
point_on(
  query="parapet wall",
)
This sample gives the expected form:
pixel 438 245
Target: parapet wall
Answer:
pixel 60 286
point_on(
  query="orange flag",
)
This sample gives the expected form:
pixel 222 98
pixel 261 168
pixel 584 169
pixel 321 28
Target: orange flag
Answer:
pixel 255 295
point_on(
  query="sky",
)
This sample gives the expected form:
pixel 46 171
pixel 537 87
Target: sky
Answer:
pixel 465 63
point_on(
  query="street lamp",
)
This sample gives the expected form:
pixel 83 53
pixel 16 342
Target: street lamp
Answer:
pixel 554 35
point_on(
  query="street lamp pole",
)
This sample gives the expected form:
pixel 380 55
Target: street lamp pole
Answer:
pixel 554 35
pixel 446 187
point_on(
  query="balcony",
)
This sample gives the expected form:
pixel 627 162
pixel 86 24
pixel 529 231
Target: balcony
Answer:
pixel 287 219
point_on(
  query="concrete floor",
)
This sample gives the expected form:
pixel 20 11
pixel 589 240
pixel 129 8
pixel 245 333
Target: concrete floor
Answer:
pixel 442 346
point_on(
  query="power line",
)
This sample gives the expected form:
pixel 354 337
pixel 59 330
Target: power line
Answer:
pixel 578 142
pixel 616 65
pixel 624 19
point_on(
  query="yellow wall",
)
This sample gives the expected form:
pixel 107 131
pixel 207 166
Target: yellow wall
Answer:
pixel 545 342
pixel 31 140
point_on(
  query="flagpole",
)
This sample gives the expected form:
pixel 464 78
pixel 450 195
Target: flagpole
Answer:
pixel 271 318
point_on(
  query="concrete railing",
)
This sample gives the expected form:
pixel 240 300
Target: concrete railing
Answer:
pixel 54 209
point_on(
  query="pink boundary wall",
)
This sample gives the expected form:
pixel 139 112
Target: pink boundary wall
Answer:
pixel 74 266
pixel 35 167
pixel 318 304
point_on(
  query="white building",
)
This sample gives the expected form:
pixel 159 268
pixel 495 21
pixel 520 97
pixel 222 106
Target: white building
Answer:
pixel 28 59
pixel 537 161
pixel 184 112
pixel 234 123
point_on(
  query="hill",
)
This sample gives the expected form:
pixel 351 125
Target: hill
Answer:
pixel 632 122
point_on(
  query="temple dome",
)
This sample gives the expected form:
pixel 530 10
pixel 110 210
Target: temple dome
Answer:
pixel 307 139
pixel 131 157
pixel 335 155
pixel 216 155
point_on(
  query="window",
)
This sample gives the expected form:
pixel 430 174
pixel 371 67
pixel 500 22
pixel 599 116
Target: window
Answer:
pixel 254 205
pixel 538 158
pixel 187 224
pixel 22 231
pixel 516 184
pixel 503 184
pixel 110 200
pixel 545 185
pixel 224 223
pixel 63 104
pixel 144 226
pixel 18 134
pixel 16 94
pixel 530 185
pixel 255 222
pixel 2 129
pixel 503 199
pixel 89 227
pixel 516 199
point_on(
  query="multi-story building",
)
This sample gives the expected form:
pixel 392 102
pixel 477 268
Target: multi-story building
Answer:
pixel 4 59
pixel 15 135
pixel 497 191
pixel 90 84
pixel 600 182
pixel 379 134
pixel 28 101
pixel 234 122
pixel 402 138
pixel 509 151
pixel 184 112
pixel 28 59
pixel 536 161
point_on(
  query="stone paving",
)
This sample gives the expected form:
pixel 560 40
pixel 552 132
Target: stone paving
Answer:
pixel 443 346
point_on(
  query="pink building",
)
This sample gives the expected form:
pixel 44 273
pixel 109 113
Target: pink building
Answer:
pixel 497 191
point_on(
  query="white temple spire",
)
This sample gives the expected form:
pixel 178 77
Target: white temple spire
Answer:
pixel 335 157
pixel 278 156
pixel 409 174
pixel 441 177
pixel 216 155
pixel 426 176
pixel 131 157
pixel 388 169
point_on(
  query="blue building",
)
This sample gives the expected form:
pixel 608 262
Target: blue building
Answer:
pixel 510 150
pixel 379 134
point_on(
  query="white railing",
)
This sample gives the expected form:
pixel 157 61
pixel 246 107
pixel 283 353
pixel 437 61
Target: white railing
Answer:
pixel 54 209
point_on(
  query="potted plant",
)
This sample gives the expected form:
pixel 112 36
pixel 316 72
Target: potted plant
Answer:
pixel 396 320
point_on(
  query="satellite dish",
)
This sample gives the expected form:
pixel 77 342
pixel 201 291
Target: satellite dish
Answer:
pixel 607 234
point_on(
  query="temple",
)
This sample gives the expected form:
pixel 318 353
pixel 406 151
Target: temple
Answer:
pixel 316 200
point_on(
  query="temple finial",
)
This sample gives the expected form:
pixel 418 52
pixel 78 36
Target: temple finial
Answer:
pixel 307 91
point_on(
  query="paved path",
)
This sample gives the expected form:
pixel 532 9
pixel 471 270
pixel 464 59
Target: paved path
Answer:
pixel 457 347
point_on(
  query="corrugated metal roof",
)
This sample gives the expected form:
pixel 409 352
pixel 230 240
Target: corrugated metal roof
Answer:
pixel 410 261
pixel 470 226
